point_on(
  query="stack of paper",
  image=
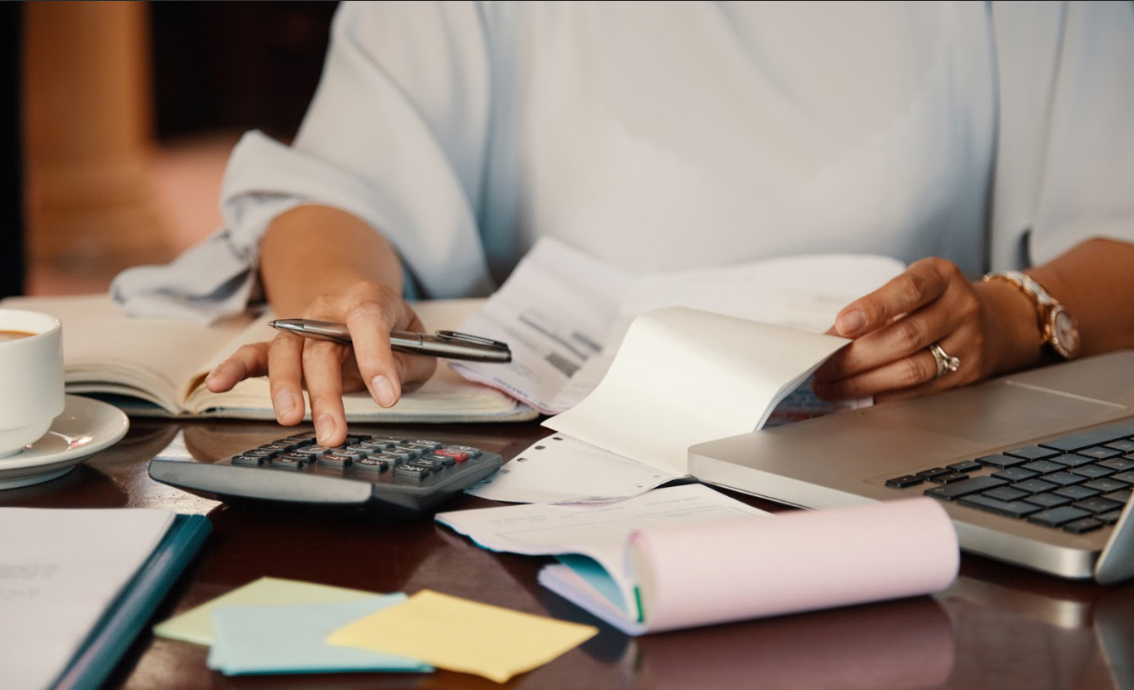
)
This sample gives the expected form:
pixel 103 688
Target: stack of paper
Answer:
pixel 284 626
pixel 687 555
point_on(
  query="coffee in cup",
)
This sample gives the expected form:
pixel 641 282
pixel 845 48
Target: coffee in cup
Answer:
pixel 31 377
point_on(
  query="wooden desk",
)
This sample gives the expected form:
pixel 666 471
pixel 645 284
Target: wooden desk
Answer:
pixel 996 627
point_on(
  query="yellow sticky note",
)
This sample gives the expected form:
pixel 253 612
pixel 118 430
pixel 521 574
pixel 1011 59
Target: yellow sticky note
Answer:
pixel 196 625
pixel 462 635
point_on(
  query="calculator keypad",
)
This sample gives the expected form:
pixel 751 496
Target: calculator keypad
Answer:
pixel 361 456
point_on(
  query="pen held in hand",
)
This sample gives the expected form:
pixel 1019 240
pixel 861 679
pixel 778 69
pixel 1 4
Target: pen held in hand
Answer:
pixel 445 344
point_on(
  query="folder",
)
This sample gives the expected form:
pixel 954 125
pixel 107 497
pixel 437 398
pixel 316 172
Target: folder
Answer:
pixel 132 611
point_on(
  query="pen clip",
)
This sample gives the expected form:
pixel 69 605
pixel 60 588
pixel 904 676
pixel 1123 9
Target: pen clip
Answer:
pixel 474 339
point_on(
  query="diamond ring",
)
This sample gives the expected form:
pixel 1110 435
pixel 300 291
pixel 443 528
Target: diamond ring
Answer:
pixel 945 363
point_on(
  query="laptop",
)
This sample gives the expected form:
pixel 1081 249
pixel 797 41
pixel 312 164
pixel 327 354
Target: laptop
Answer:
pixel 1034 468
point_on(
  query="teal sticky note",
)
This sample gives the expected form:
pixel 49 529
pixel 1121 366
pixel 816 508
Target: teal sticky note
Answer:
pixel 289 639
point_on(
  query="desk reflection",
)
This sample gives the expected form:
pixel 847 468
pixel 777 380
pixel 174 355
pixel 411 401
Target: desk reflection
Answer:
pixel 901 645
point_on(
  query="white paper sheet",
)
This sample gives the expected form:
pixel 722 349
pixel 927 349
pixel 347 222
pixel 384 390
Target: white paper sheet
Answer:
pixel 565 313
pixel 59 571
pixel 684 376
pixel 597 531
pixel 560 469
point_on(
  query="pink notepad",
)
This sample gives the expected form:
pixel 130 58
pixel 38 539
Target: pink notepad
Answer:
pixel 696 575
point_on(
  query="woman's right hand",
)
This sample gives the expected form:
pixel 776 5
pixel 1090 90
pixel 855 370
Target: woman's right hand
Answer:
pixel 370 311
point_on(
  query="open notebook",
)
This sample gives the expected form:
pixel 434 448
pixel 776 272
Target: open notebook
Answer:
pixel 1034 468
pixel 157 367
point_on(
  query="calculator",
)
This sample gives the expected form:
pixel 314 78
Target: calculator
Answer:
pixel 387 476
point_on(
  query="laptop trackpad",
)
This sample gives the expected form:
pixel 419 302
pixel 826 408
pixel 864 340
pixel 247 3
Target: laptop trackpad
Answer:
pixel 998 412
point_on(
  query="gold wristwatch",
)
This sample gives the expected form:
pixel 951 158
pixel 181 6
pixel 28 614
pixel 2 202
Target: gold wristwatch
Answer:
pixel 1059 331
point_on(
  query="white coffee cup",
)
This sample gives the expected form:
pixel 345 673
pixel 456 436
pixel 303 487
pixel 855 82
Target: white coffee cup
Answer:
pixel 31 377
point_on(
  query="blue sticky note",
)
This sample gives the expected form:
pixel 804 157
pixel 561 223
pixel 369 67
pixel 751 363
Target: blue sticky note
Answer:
pixel 289 639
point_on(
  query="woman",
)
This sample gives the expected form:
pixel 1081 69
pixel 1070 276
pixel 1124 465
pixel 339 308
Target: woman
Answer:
pixel 446 137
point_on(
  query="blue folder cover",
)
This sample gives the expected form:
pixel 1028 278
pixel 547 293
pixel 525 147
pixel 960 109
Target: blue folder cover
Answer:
pixel 118 627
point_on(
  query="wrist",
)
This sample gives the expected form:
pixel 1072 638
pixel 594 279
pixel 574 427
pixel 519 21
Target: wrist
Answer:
pixel 1058 329
pixel 1015 334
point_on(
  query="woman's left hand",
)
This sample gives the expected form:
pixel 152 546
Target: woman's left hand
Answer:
pixel 894 328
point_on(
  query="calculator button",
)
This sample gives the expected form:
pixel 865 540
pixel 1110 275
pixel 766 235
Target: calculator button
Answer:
pixel 248 460
pixel 456 455
pixel 397 456
pixel 387 439
pixel 427 462
pixel 352 454
pixel 411 471
pixel 313 451
pixel 405 449
pixel 280 446
pixel 336 460
pixel 426 444
pixel 439 460
pixel 290 461
pixel 473 452
pixel 372 465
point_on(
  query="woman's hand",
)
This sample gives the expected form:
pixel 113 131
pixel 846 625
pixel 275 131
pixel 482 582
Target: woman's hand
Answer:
pixel 982 325
pixel 370 311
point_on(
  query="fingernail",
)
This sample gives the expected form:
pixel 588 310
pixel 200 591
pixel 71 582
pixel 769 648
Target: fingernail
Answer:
pixel 383 390
pixel 851 322
pixel 284 403
pixel 324 427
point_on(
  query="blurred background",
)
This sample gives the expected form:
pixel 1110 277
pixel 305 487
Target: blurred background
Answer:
pixel 118 119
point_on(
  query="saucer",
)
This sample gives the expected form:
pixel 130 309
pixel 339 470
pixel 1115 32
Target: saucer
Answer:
pixel 85 426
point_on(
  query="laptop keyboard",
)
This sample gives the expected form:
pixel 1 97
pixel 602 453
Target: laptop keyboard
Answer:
pixel 1078 483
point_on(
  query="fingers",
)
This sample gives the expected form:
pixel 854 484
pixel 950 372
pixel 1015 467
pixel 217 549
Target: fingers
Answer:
pixel 385 373
pixel 246 362
pixel 922 283
pixel 285 357
pixel 907 377
pixel 889 357
pixel 323 372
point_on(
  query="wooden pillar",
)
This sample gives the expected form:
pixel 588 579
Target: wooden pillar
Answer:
pixel 88 131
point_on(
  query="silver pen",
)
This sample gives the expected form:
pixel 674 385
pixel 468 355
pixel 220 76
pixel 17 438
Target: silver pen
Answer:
pixel 446 344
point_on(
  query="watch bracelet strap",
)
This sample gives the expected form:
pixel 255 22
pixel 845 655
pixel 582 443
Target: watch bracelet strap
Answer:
pixel 1021 282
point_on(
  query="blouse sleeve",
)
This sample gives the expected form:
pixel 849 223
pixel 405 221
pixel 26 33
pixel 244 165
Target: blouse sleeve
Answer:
pixel 396 135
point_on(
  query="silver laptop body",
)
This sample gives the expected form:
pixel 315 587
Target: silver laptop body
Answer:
pixel 846 458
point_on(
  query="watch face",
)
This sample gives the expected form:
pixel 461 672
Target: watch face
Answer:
pixel 1064 333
